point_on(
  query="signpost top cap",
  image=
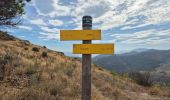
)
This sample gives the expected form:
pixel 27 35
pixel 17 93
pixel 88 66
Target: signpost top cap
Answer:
pixel 87 17
pixel 87 22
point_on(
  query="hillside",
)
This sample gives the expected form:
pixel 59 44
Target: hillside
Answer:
pixel 134 61
pixel 31 72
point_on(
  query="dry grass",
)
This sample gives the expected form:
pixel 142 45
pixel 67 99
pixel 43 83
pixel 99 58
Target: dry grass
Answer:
pixel 25 74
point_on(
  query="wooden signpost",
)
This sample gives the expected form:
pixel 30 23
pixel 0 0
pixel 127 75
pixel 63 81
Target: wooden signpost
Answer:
pixel 86 49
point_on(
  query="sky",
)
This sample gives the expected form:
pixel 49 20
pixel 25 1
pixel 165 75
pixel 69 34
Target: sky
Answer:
pixel 129 24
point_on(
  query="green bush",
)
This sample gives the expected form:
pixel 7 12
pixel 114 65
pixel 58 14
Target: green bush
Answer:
pixel 8 62
pixel 26 48
pixel 100 68
pixel 113 73
pixel 34 79
pixel 44 54
pixel 125 74
pixel 35 49
pixel 44 47
pixel 31 93
pixel 144 78
pixel 55 90
pixel 31 70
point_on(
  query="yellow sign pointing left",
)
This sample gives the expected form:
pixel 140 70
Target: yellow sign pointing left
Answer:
pixel 80 35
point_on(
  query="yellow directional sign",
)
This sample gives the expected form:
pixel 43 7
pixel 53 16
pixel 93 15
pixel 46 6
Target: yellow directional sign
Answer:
pixel 80 35
pixel 93 48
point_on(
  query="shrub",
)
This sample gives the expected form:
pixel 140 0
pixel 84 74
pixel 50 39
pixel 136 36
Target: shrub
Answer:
pixel 100 68
pixel 35 49
pixel 31 70
pixel 54 89
pixel 34 79
pixel 44 47
pixel 7 63
pixel 31 94
pixel 125 74
pixel 144 78
pixel 44 54
pixel 113 73
pixel 26 48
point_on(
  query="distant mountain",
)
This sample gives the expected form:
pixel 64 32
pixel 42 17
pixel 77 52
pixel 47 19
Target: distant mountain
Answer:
pixel 137 60
pixel 140 50
pixel 136 51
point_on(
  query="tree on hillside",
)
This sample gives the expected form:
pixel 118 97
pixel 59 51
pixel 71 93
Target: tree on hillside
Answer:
pixel 10 11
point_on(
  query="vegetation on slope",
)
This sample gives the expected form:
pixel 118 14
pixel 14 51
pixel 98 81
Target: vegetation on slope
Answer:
pixel 29 74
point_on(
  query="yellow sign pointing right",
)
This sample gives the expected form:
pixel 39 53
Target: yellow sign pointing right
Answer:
pixel 93 48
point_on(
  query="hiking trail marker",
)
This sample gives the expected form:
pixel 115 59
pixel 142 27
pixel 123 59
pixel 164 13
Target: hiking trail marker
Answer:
pixel 80 35
pixel 86 49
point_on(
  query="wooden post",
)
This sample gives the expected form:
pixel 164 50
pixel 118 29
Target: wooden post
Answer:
pixel 86 62
pixel 86 49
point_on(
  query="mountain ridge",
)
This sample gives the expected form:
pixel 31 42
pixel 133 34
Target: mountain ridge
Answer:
pixel 151 57
pixel 32 72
